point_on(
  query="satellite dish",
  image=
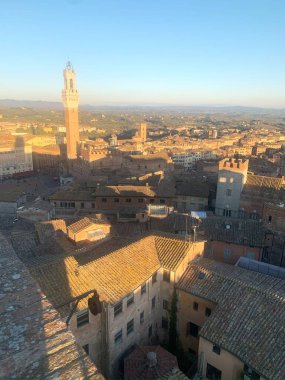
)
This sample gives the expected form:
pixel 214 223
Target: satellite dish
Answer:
pixel 94 304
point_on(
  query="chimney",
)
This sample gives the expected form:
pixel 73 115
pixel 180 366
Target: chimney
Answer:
pixel 151 359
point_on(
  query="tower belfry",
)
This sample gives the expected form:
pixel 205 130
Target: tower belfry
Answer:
pixel 70 100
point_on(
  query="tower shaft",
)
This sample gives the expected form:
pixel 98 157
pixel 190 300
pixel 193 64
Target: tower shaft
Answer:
pixel 70 99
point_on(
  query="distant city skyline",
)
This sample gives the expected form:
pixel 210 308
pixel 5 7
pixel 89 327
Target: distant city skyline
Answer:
pixel 164 52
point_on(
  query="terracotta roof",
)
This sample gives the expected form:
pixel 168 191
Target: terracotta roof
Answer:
pixel 261 183
pixel 125 191
pixel 171 250
pixel 11 196
pixel 150 157
pixel 249 318
pixel 48 229
pixel 35 342
pixel 136 364
pixel 52 149
pixel 101 268
pixel 240 231
pixel 71 195
pixel 80 225
pixel 193 189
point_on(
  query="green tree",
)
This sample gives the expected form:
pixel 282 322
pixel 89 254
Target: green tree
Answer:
pixel 173 336
pixel 174 344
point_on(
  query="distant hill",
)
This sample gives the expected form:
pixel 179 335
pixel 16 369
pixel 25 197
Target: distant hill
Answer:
pixel 12 103
pixel 39 104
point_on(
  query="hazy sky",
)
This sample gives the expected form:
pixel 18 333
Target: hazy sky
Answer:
pixel 208 52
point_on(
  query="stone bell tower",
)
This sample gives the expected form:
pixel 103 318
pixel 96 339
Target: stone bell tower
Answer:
pixel 70 100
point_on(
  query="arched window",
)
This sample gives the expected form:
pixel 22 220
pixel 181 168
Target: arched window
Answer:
pixel 71 84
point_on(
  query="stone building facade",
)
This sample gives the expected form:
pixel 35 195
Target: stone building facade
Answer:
pixel 219 320
pixel 135 291
pixel 231 180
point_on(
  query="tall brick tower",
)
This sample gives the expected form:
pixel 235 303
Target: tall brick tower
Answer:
pixel 143 132
pixel 70 100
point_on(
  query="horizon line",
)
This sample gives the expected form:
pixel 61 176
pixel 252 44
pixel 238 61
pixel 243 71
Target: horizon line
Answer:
pixel 153 105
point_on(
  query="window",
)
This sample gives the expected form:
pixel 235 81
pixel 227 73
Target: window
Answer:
pixel 164 323
pixel 150 331
pixel 166 276
pixel 140 200
pixel 118 337
pixel 151 200
pixel 128 200
pixel 153 303
pixel 227 253
pixel 154 278
pixel 118 308
pixel 227 212
pixel 93 205
pixel 192 329
pixel 213 373
pixel 86 348
pixel 142 317
pixel 165 305
pixel 195 306
pixel 162 201
pixel 83 318
pixel 216 349
pixel 116 200
pixel 130 326
pixel 82 205
pixel 130 299
pixel 143 289
pixel 228 192
pixel 269 219
pixel 104 200
pixel 208 312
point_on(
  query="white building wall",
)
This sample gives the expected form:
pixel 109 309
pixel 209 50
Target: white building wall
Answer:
pixel 15 160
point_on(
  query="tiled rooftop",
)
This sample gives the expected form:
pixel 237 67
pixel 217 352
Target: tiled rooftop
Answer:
pixel 136 364
pixel 249 318
pixel 264 182
pixel 72 195
pixel 125 191
pixel 240 231
pixel 102 267
pixel 149 157
pixel 10 196
pixel 193 189
pixel 48 229
pixel 80 225
pixel 35 342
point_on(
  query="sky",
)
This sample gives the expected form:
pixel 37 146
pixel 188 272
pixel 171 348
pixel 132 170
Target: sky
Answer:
pixel 145 52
